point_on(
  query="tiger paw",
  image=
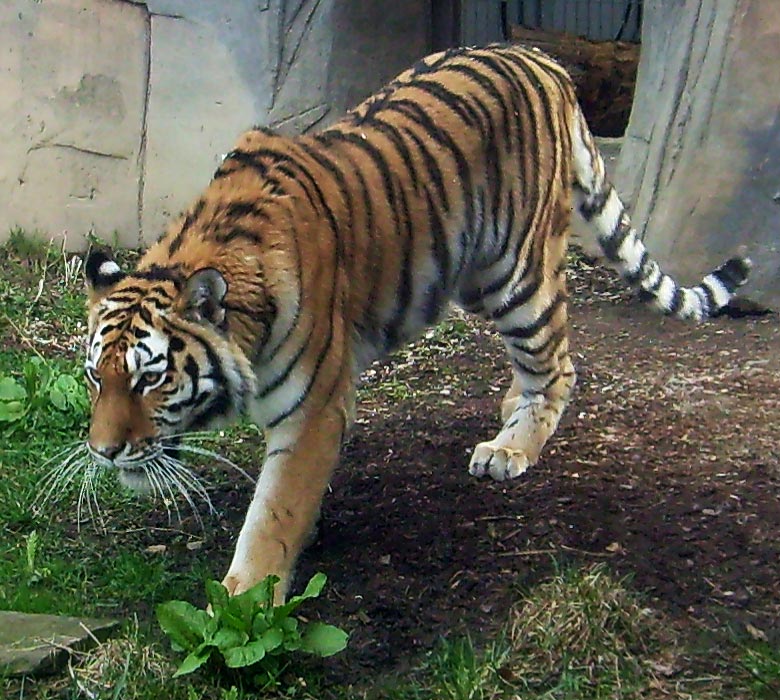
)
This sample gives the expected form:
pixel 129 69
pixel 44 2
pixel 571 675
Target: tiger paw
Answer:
pixel 236 583
pixel 499 462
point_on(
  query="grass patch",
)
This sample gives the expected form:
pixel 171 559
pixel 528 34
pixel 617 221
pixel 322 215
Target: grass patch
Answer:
pixel 584 635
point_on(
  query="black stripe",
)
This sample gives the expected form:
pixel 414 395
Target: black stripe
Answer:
pixel 594 204
pixel 190 218
pixel 456 103
pixel 404 288
pixel 344 190
pixel 733 273
pixel 393 134
pixel 245 159
pixel 376 156
pixel 611 244
pixel 421 118
pixel 439 247
pixel 548 347
pixel 234 232
pixel 531 329
pixel 712 304
pixel 676 302
pixel 522 367
pixel 285 373
pixel 520 298
pixel 432 168
pixel 634 277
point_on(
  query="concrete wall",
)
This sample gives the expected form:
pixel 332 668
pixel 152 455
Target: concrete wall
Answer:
pixel 114 113
pixel 700 164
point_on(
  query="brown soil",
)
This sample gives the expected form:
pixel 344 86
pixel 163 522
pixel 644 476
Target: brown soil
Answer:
pixel 666 466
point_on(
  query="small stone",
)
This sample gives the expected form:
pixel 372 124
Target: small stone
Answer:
pixel 36 645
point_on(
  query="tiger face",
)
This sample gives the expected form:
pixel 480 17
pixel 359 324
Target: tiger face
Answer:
pixel 151 365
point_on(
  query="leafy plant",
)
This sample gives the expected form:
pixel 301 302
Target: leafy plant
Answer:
pixel 32 548
pixel 40 387
pixel 247 630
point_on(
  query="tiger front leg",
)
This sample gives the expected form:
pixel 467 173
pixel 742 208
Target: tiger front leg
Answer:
pixel 531 415
pixel 301 456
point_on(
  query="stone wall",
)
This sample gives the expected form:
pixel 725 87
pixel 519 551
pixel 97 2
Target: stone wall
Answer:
pixel 114 113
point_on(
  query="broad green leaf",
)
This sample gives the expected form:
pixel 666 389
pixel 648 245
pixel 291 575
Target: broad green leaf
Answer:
pixel 239 612
pixel 261 594
pixel 289 624
pixel 249 654
pixel 36 376
pixel 272 638
pixel 11 411
pixel 183 623
pixel 292 642
pixel 292 637
pixel 58 399
pixel 68 385
pixel 228 638
pixel 10 390
pixel 323 640
pixel 260 624
pixel 216 594
pixel 194 660
pixel 313 589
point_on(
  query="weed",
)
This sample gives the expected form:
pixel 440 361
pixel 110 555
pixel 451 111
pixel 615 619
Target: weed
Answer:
pixel 248 631
pixel 457 671
pixel 35 574
pixel 26 401
pixel 760 661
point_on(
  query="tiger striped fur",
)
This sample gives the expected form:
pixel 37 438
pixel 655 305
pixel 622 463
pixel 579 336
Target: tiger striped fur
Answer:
pixel 307 258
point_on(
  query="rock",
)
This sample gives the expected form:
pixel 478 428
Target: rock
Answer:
pixel 34 645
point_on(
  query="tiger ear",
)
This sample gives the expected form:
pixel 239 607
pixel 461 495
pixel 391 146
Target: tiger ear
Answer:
pixel 202 296
pixel 101 273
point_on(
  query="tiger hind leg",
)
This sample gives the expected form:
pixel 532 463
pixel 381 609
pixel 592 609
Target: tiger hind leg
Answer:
pixel 543 380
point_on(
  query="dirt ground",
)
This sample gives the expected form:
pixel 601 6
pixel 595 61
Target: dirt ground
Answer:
pixel 666 466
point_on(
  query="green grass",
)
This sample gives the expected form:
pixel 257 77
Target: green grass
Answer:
pixel 582 634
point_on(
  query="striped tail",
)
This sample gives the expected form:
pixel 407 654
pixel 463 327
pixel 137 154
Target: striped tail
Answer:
pixel 599 204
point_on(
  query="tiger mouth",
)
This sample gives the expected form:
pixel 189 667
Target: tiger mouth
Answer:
pixel 135 478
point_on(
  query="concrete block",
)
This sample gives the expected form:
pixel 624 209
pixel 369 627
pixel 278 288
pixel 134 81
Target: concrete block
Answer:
pixel 71 117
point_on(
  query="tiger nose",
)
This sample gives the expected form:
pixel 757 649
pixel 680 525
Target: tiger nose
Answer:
pixel 108 451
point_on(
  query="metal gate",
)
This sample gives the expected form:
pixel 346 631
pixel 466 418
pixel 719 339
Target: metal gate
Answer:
pixel 600 20
pixel 483 21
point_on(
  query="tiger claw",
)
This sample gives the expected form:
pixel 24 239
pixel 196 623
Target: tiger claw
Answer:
pixel 500 463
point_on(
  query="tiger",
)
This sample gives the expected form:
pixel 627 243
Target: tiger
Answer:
pixel 309 257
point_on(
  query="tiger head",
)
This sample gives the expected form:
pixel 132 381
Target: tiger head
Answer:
pixel 158 363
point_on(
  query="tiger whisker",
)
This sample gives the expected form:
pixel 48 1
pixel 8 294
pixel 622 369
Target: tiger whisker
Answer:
pixel 191 484
pixel 82 447
pixel 63 464
pixel 159 484
pixel 169 488
pixel 194 435
pixel 175 480
pixel 95 514
pixel 58 479
pixel 214 455
pixel 190 479
pixel 80 501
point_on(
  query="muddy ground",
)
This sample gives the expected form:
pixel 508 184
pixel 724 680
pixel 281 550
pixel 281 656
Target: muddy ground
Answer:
pixel 666 466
